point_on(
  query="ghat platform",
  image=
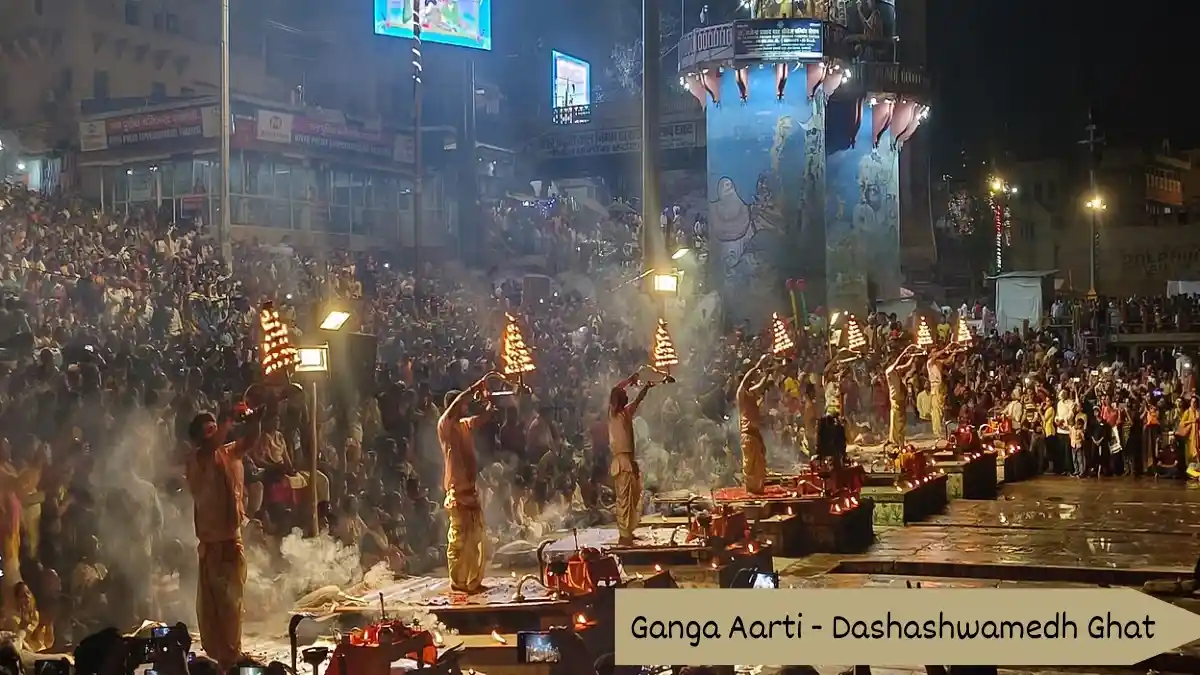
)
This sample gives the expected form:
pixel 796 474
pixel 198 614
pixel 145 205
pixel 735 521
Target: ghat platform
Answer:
pixel 795 524
pixel 1049 531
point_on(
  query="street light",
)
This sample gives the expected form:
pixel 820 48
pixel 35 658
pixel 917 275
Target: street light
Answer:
pixel 680 253
pixel 1095 205
pixel 313 360
pixel 334 320
pixel 666 283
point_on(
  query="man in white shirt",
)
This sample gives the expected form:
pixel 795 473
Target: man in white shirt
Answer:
pixel 1064 415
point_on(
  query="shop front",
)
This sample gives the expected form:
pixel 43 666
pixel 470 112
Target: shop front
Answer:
pixel 290 175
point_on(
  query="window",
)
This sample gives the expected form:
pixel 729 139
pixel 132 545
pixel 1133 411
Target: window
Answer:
pixel 38 7
pixel 66 80
pixel 172 25
pixel 158 90
pixel 100 84
pixel 133 12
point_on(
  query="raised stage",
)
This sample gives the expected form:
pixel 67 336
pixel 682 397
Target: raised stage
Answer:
pixel 794 524
pixel 899 501
pixel 969 476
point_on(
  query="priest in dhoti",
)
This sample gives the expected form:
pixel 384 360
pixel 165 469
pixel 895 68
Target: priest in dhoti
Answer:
pixel 754 451
pixel 627 478
pixel 466 537
pixel 896 374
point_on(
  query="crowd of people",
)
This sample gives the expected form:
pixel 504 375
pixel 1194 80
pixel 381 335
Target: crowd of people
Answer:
pixel 117 330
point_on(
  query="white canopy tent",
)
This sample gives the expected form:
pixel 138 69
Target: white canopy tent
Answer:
pixel 1021 297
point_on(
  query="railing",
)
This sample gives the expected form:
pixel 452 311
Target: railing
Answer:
pixel 680 105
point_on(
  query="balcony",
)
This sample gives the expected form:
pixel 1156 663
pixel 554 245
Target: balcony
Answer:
pixel 626 111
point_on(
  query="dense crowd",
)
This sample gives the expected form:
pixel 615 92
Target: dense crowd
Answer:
pixel 117 330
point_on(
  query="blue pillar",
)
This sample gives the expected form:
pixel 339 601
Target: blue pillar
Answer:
pixel 766 184
pixel 862 206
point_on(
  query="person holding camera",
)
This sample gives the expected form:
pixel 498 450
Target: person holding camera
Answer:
pixel 216 479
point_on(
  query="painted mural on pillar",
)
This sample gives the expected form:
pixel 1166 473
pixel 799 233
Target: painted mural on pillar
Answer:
pixel 765 181
pixel 862 206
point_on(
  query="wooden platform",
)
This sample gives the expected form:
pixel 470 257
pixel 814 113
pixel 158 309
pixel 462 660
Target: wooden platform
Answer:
pixel 969 478
pixel 799 527
pixel 901 505
pixel 1015 467
pixel 656 555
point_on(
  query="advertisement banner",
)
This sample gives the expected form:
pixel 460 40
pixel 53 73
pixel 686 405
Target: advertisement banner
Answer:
pixel 199 122
pixel 342 138
pixel 273 127
pixel 673 136
pixel 93 136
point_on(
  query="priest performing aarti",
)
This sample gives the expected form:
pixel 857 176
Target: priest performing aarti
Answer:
pixel 466 536
pixel 897 373
pixel 754 450
pixel 938 359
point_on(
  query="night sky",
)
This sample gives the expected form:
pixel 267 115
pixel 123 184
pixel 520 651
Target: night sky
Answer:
pixel 1016 78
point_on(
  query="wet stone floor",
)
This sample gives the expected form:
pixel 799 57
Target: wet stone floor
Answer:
pixel 1048 532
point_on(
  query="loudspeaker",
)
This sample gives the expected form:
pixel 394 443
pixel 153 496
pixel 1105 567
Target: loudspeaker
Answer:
pixel 352 358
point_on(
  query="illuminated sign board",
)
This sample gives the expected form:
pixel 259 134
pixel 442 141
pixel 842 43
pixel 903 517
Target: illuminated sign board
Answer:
pixel 778 40
pixel 572 81
pixel 460 23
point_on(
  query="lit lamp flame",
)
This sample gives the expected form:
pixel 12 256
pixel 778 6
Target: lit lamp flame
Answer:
pixel 657 567
pixel 275 350
pixel 517 357
pixel 781 341
pixel 924 335
pixel 855 340
pixel 962 336
pixel 499 638
pixel 665 355
pixel 580 620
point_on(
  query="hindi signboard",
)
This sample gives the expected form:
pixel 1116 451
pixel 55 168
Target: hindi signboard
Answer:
pixel 673 136
pixel 778 40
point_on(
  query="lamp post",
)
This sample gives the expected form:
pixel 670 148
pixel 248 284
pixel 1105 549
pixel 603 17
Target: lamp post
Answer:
pixel 224 244
pixel 315 361
pixel 652 238
pixel 999 191
pixel 1095 205
pixel 418 164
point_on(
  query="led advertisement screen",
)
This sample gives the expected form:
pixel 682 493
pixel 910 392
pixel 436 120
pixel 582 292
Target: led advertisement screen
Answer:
pixel 461 23
pixel 572 83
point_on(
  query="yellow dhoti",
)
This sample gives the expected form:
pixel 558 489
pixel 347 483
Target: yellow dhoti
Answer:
pixel 466 546
pixel 898 426
pixel 937 410
pixel 754 461
pixel 627 484
pixel 219 594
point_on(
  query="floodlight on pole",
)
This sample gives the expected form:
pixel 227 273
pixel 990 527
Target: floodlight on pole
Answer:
pixel 334 320
pixel 666 283
pixel 313 359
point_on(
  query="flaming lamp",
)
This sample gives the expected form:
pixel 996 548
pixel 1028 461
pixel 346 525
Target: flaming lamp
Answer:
pixel 924 335
pixel 275 349
pixel 781 341
pixel 664 352
pixel 855 340
pixel 962 336
pixel 517 357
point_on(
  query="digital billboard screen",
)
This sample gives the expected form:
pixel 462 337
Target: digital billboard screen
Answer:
pixel 572 81
pixel 461 23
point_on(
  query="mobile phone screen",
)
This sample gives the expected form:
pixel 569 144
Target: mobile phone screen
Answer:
pixel 537 648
